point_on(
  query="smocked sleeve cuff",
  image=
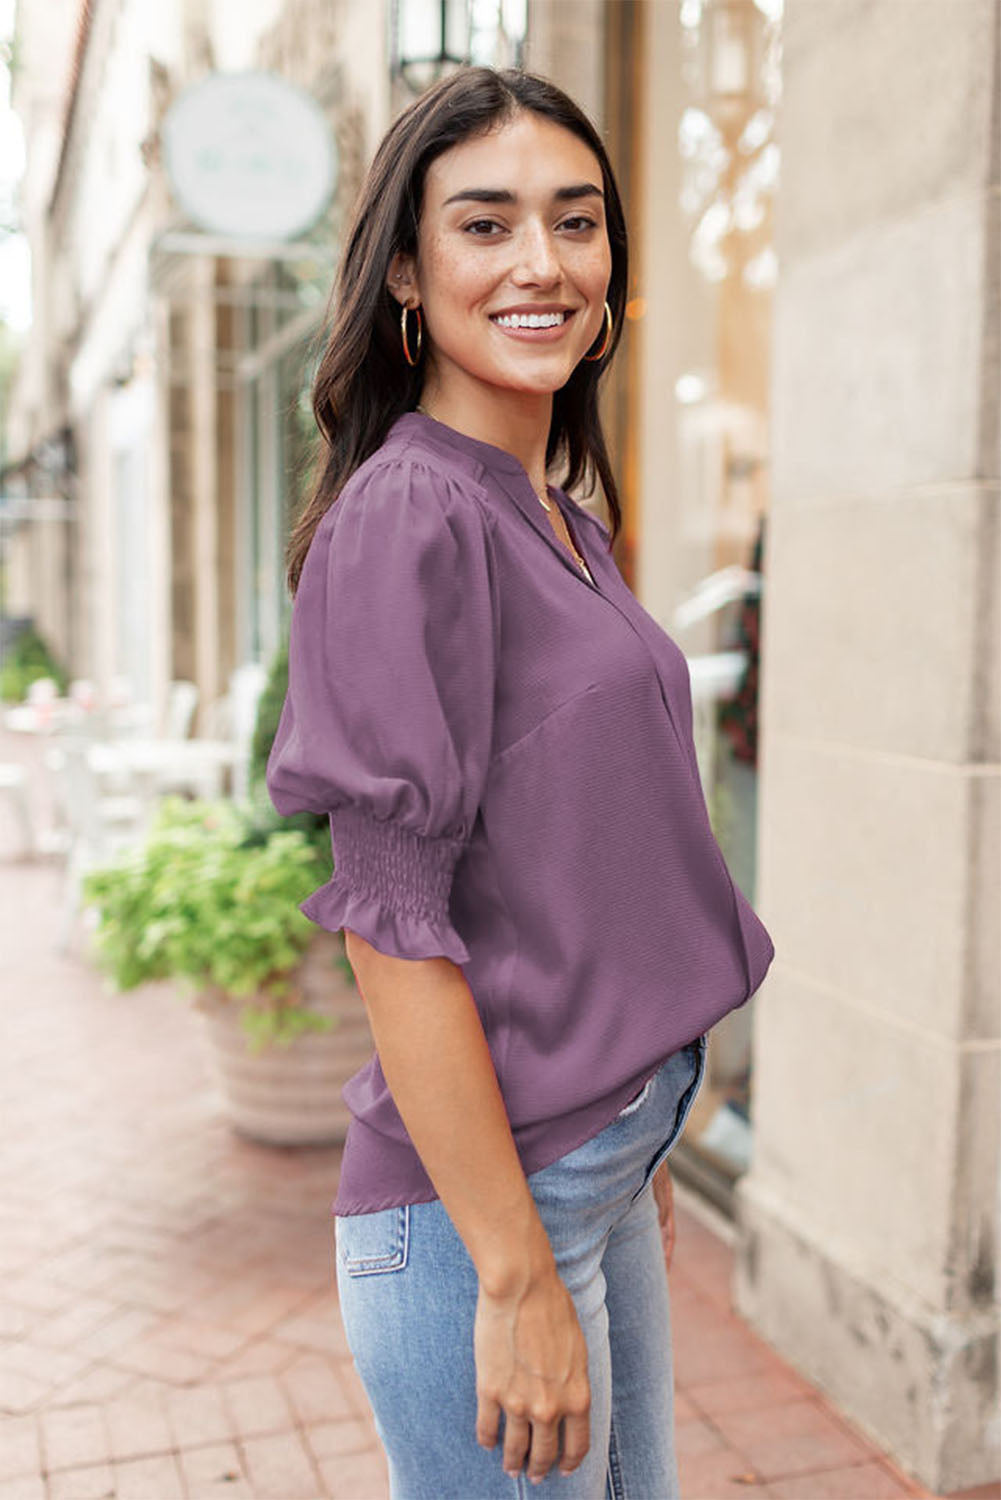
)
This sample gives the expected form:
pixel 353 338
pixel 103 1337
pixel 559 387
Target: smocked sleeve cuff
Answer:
pixel 389 885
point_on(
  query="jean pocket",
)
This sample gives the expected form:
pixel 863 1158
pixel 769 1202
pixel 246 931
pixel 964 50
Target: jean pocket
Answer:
pixel 374 1243
pixel 634 1104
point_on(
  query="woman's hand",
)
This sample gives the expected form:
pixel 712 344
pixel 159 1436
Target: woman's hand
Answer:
pixel 531 1362
pixel 663 1191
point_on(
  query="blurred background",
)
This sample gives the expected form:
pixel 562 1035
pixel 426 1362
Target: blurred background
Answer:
pixel 804 420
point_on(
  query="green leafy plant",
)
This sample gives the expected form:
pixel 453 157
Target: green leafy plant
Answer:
pixel 315 826
pixel 269 707
pixel 28 659
pixel 212 901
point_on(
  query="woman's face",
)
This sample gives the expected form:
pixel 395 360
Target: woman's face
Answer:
pixel 513 221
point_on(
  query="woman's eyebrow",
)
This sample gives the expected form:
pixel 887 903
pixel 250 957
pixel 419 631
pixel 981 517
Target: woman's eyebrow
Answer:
pixel 502 195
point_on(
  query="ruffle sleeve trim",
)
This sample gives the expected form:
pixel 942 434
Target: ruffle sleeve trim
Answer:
pixel 396 933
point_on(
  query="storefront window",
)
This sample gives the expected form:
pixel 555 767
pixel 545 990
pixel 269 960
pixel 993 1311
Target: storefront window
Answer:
pixel 278 438
pixel 712 80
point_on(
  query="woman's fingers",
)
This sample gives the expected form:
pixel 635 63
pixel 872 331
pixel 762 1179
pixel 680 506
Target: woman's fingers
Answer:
pixel 532 1364
pixel 517 1440
pixel 576 1438
pixel 663 1191
pixel 545 1450
pixel 535 1445
pixel 487 1420
pixel 532 1436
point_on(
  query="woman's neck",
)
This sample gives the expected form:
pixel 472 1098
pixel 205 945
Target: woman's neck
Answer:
pixel 522 431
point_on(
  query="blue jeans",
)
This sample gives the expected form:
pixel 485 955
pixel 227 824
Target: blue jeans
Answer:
pixel 408 1291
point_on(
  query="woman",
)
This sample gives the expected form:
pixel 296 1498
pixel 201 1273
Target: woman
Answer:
pixel 540 920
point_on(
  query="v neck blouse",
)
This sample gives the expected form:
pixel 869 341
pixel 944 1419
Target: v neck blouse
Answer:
pixel 504 750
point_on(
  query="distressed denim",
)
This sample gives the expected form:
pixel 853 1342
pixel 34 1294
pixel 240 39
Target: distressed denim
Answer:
pixel 408 1291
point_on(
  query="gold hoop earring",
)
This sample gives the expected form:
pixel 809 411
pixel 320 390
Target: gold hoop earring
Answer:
pixel 608 335
pixel 403 331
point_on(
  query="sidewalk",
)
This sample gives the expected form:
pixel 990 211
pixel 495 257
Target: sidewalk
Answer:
pixel 168 1316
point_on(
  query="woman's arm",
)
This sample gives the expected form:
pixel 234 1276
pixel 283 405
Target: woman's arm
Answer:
pixel 434 1055
pixel 530 1351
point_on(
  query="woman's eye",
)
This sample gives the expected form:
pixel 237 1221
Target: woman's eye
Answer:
pixel 580 219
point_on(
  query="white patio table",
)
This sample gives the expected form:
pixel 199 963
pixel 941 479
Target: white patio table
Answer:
pixel 154 766
pixel 56 716
pixel 45 717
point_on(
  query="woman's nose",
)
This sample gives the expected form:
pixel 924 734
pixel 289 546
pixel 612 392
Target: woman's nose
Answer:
pixel 537 255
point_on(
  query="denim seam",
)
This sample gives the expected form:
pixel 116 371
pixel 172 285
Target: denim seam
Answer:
pixel 616 1489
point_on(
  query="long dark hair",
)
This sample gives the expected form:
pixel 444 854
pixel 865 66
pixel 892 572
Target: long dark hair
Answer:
pixel 363 383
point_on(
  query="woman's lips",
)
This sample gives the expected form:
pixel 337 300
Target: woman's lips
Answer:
pixel 535 335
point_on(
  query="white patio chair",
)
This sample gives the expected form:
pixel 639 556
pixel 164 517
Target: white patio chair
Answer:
pixel 135 719
pixel 42 690
pixel 123 714
pixel 81 691
pixel 233 716
pixel 217 717
pixel 245 687
pixel 13 785
pixel 182 701
pixel 96 826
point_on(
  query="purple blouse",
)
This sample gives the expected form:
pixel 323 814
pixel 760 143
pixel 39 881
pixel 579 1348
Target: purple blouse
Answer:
pixel 505 753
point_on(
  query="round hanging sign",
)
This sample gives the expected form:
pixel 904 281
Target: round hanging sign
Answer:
pixel 249 154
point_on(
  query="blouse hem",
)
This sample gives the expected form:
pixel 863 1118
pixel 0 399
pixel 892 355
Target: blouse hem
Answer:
pixel 398 934
pixel 402 1173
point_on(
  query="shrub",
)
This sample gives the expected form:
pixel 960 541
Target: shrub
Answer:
pixel 28 659
pixel 209 900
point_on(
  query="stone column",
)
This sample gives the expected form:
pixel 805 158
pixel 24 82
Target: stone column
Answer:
pixel 868 1248
pixel 205 485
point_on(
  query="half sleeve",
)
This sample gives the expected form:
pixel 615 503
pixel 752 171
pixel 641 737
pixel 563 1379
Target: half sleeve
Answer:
pixel 388 718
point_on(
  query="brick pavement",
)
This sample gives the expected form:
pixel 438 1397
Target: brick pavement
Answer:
pixel 168 1315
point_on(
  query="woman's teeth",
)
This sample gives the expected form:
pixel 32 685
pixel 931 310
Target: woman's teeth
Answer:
pixel 530 320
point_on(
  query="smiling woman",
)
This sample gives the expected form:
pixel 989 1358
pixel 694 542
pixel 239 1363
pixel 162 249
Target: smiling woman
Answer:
pixel 540 921
pixel 555 238
pixel 511 303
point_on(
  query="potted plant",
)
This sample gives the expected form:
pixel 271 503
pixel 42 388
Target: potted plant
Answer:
pixel 211 900
pixel 24 659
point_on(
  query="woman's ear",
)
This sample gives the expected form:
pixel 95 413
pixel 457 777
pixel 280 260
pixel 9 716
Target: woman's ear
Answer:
pixel 401 281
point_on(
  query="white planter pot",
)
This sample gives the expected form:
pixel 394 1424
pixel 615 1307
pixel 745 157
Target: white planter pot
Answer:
pixel 291 1096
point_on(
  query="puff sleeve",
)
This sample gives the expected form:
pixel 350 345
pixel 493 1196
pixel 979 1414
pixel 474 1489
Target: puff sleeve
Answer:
pixel 388 718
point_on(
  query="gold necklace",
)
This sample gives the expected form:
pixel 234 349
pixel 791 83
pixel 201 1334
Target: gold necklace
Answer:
pixel 546 504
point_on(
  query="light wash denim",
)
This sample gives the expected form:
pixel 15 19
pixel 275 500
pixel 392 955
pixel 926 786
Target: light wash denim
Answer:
pixel 408 1290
